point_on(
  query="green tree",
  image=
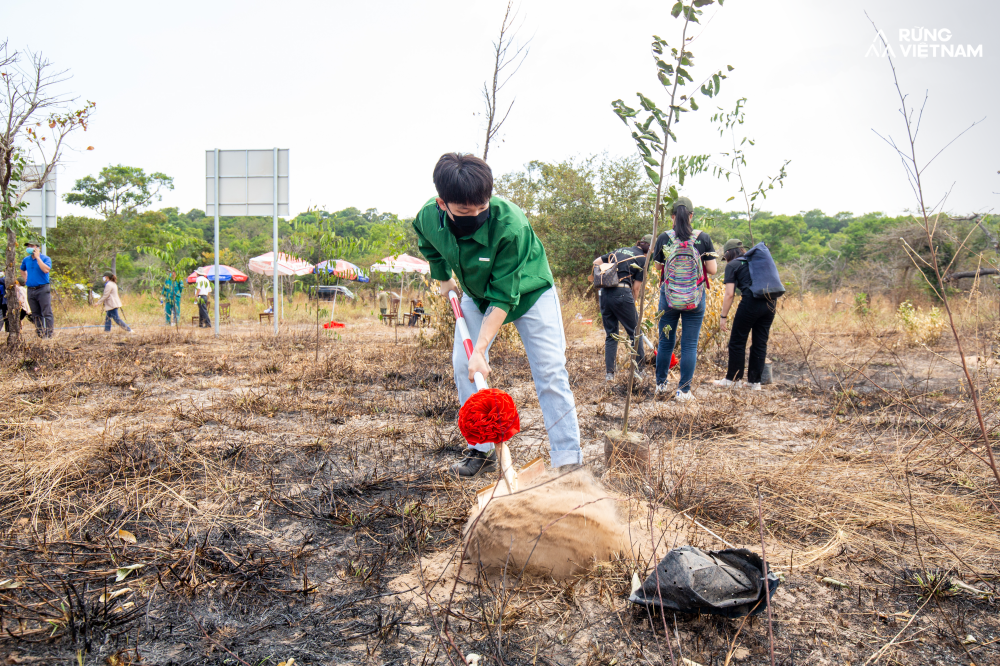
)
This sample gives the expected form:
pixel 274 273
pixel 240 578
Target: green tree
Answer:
pixel 118 193
pixel 582 208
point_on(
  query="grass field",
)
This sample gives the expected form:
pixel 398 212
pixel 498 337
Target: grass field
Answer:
pixel 174 498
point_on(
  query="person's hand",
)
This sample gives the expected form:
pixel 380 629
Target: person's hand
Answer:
pixel 478 363
pixel 35 252
pixel 449 285
pixel 723 324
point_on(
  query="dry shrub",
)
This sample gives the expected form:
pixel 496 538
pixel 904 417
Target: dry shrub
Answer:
pixel 920 327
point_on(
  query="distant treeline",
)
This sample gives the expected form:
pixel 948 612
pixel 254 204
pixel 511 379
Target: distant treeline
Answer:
pixel 584 208
pixel 579 208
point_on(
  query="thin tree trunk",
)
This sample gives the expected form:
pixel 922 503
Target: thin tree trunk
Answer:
pixel 13 299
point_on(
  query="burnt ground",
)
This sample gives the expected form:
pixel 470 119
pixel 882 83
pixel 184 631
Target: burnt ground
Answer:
pixel 172 499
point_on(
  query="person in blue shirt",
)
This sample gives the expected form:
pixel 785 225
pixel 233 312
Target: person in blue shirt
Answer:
pixel 35 270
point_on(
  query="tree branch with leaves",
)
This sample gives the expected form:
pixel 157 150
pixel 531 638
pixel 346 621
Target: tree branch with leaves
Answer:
pixel 673 73
pixel 35 123
pixel 729 122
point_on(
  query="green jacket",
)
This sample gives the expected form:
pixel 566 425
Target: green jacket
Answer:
pixel 172 291
pixel 502 264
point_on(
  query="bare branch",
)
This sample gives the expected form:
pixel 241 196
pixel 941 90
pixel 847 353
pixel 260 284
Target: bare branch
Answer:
pixel 942 292
pixel 951 277
pixel 503 59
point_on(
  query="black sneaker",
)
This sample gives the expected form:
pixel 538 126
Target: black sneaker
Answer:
pixel 475 462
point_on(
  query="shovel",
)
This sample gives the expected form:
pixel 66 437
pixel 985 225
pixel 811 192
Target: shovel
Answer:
pixel 508 475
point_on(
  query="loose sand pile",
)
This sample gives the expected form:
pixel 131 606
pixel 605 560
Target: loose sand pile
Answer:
pixel 557 527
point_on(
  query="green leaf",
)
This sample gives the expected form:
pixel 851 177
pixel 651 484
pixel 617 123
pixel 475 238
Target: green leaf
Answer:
pixel 730 68
pixel 676 9
pixel 622 111
pixel 730 199
pixel 646 103
pixel 683 72
pixel 650 161
pixel 717 82
pixel 694 105
pixel 123 572
pixel 702 3
pixel 653 176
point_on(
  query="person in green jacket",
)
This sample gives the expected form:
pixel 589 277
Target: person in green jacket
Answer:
pixel 170 295
pixel 488 245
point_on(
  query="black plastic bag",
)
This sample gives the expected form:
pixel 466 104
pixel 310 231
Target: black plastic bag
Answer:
pixel 717 582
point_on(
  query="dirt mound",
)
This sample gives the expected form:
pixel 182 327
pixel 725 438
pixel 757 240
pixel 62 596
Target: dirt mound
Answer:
pixel 558 527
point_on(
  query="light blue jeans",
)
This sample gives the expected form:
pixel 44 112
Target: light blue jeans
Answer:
pixel 541 331
pixel 690 330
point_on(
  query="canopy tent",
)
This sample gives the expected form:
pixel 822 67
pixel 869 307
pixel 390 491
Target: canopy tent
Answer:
pixel 402 265
pixel 287 265
pixel 226 274
pixel 342 269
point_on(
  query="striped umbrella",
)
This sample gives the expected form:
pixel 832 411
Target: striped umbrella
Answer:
pixel 226 274
pixel 341 269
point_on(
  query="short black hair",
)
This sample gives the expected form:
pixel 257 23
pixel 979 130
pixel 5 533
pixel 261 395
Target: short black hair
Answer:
pixel 463 179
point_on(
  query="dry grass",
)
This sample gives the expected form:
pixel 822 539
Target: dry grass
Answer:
pixel 275 503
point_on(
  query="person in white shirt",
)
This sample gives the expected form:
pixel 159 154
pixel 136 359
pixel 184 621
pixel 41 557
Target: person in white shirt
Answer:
pixel 203 287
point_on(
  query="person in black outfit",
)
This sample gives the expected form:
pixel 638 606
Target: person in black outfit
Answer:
pixel 754 315
pixel 618 303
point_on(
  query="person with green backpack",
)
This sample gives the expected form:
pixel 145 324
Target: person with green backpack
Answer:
pixel 685 257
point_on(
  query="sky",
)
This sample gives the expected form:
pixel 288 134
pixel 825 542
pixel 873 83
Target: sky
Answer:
pixel 367 95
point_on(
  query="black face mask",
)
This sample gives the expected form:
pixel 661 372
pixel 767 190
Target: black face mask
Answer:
pixel 466 225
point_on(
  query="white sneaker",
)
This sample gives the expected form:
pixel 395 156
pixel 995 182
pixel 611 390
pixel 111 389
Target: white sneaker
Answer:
pixel 684 397
pixel 662 388
pixel 609 376
pixel 756 387
pixel 724 383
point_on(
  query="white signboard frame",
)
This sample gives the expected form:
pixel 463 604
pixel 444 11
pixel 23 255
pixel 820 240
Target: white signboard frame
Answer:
pixel 246 182
pixel 41 209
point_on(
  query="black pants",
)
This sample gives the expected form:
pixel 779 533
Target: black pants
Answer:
pixel 3 309
pixel 40 302
pixel 204 321
pixel 753 315
pixel 618 307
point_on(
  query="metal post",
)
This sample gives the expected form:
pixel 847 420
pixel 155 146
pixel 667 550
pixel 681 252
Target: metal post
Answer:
pixel 216 243
pixel 274 265
pixel 45 226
